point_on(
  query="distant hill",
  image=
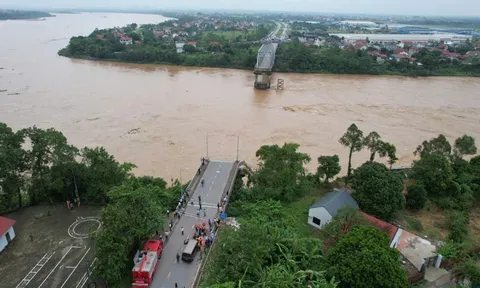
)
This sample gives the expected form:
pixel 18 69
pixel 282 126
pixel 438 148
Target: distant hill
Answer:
pixel 22 15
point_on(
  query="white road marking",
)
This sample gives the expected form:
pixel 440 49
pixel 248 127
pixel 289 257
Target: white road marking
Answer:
pixel 84 278
pixel 75 267
pixel 58 263
pixel 69 267
pixel 39 265
pixel 168 276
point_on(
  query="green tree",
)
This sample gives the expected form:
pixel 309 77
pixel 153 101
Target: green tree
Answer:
pixel 467 269
pixel 281 173
pixel 435 172
pixel 340 225
pixel 439 145
pixel 363 259
pixel 328 167
pixel 13 164
pixel 102 172
pixel 353 139
pixel 373 143
pixel 416 197
pixel 465 145
pixel 130 218
pixel 49 148
pixel 390 151
pixel 377 190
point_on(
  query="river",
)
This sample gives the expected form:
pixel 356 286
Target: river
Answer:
pixel 156 116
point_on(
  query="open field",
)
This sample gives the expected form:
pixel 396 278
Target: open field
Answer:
pixel 432 222
pixel 51 248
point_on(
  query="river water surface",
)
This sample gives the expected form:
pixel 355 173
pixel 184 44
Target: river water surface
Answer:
pixel 156 116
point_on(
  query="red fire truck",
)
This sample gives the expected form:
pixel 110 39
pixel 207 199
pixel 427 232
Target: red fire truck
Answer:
pixel 146 263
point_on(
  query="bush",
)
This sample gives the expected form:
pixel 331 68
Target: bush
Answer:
pixel 450 250
pixel 416 197
pixel 458 223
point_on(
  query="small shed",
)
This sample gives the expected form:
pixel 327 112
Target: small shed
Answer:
pixel 321 212
pixel 6 232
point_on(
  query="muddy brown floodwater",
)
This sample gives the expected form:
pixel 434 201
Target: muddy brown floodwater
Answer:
pixel 156 116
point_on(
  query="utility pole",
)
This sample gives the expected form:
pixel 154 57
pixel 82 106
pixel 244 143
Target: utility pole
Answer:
pixel 206 142
pixel 75 183
pixel 238 141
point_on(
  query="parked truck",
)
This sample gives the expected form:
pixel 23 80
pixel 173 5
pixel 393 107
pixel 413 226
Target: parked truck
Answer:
pixel 146 263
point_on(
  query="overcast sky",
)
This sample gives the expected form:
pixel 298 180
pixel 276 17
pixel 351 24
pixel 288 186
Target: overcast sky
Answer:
pixel 410 7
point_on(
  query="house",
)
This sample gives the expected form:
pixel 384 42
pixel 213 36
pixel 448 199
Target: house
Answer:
pixel 360 47
pixel 126 40
pixel 401 51
pixel 472 53
pixel 6 232
pixel 321 212
pixel 179 46
pixel 415 249
pixel 193 43
pixel 399 57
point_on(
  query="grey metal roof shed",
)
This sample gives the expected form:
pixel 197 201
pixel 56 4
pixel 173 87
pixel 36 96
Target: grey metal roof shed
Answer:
pixel 334 201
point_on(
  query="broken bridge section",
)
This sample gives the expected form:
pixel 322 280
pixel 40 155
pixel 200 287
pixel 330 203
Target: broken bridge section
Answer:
pixel 264 65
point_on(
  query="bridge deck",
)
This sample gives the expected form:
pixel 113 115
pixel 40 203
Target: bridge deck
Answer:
pixel 266 57
pixel 169 272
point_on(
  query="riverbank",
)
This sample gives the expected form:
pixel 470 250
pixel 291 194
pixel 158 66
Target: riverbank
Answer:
pixel 443 72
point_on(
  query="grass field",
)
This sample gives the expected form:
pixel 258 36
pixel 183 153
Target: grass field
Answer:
pixel 432 222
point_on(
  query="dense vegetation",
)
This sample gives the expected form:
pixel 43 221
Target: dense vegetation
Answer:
pixel 274 248
pixel 212 49
pixel 239 50
pixel 295 57
pixel 39 166
pixel 22 15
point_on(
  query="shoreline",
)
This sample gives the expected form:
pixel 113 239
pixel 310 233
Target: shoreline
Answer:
pixel 273 71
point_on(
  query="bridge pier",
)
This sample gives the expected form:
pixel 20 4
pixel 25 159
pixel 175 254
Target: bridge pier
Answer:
pixel 262 80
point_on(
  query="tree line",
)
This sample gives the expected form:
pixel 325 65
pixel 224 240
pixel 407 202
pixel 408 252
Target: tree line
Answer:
pixel 241 53
pixel 295 57
pixel 272 248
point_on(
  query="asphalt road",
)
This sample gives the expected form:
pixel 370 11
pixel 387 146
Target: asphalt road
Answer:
pixel 169 271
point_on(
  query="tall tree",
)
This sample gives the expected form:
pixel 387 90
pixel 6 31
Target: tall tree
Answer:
pixel 13 164
pixel 390 151
pixel 353 139
pixel 363 259
pixel 439 145
pixel 465 145
pixel 328 167
pixel 131 217
pixel 378 190
pixel 281 172
pixel 435 172
pixel 373 143
pixel 48 148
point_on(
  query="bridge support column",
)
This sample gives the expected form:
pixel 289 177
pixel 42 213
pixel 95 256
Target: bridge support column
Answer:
pixel 262 81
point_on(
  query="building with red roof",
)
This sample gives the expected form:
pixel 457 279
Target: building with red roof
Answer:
pixel 6 232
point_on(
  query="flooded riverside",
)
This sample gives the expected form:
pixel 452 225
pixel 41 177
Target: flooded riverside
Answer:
pixel 156 116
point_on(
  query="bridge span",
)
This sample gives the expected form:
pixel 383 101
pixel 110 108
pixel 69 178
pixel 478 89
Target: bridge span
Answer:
pixel 264 65
pixel 219 177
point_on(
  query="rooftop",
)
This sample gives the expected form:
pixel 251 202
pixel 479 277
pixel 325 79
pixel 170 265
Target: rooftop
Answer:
pixel 334 201
pixel 5 224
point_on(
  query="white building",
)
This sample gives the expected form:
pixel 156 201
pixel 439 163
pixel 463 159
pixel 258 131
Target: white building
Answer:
pixel 6 232
pixel 321 212
pixel 126 40
pixel 179 46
